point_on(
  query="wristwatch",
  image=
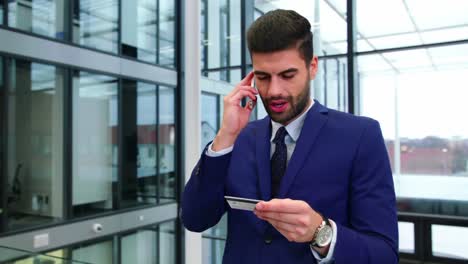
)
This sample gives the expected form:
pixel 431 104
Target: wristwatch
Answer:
pixel 323 234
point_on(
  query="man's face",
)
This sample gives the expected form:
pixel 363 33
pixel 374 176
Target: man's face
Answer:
pixel 283 82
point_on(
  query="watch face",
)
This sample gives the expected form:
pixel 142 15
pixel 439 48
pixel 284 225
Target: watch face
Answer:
pixel 324 236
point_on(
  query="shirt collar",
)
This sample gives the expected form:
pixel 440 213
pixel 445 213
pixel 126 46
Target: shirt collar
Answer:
pixel 294 128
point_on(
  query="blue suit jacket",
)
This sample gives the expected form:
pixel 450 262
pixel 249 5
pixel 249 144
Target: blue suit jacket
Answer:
pixel 340 167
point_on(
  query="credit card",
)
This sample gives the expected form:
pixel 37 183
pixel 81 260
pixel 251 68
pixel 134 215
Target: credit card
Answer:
pixel 241 203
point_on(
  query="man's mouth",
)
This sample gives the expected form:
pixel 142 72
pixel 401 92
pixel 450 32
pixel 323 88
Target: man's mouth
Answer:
pixel 278 106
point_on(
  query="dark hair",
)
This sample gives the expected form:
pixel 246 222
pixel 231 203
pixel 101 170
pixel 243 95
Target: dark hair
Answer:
pixel 279 30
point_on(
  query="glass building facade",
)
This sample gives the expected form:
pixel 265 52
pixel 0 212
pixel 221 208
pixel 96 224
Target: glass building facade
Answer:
pixel 92 96
pixel 89 143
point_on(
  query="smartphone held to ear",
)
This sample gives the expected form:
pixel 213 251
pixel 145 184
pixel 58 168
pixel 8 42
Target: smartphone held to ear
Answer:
pixel 251 103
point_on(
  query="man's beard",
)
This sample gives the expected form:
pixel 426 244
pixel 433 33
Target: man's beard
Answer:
pixel 298 104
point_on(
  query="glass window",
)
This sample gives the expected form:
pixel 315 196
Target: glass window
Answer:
pixel 213 250
pixel 1 73
pixel 210 118
pixel 95 136
pixel 95 24
pixel 139 29
pixel 221 38
pixel 140 247
pixel 428 150
pixel 419 22
pixel 204 36
pixel 214 240
pixel 331 83
pixel 101 252
pixel 406 237
pixel 327 18
pixel 139 178
pixel 166 139
pixel 1 13
pixel 37 16
pixel 449 241
pixel 167 242
pixel 19 256
pixel 166 31
pixel 2 146
pixel 34 154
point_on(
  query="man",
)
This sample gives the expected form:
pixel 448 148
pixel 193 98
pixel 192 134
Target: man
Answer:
pixel 323 176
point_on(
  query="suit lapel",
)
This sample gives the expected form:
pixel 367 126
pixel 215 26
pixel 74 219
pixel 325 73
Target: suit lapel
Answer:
pixel 315 119
pixel 262 139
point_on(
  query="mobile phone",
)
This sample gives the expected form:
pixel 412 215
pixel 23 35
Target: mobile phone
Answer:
pixel 250 102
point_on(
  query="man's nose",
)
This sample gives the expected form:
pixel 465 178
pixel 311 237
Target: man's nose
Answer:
pixel 275 87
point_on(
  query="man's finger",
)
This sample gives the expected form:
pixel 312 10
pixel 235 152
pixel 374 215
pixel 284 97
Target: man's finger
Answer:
pixel 279 216
pixel 237 97
pixel 282 225
pixel 247 88
pixel 248 79
pixel 282 205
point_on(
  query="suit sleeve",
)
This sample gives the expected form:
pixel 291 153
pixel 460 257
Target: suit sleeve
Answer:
pixel 203 202
pixel 372 233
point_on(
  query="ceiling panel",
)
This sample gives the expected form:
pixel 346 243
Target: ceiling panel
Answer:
pixel 450 56
pixel 409 59
pixel 372 63
pixel 430 14
pixel 396 41
pixel 444 35
pixel 377 18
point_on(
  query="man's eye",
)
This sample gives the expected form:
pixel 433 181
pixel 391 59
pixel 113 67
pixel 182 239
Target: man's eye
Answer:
pixel 289 76
pixel 261 78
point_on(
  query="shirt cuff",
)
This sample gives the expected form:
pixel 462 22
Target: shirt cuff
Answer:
pixel 211 153
pixel 329 257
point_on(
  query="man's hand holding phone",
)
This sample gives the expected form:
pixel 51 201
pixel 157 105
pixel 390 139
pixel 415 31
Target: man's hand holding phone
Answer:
pixel 235 116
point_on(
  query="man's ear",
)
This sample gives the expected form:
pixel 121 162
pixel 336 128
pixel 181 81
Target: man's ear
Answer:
pixel 313 67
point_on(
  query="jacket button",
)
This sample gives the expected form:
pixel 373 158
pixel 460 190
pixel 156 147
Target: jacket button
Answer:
pixel 268 238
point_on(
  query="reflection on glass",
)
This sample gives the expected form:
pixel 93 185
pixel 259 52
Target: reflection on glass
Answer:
pixel 139 178
pixel 167 243
pixel 37 16
pixel 450 241
pixel 419 22
pixel 406 237
pixel 221 38
pixel 166 38
pixel 35 145
pixel 209 125
pixel 95 24
pixel 331 83
pixel 166 140
pixel 327 19
pixel 139 29
pixel 95 124
pixel 101 252
pixel 140 247
pixel 426 148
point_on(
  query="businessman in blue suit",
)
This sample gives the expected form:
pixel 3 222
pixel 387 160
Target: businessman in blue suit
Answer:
pixel 323 176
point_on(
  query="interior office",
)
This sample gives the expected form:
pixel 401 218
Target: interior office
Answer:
pixel 106 105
